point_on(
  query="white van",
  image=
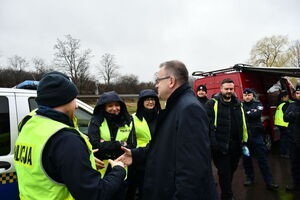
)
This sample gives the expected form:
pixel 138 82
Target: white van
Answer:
pixel 15 104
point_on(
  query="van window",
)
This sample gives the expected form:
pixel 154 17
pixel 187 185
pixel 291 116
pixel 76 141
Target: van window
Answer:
pixel 4 126
pixel 83 119
pixel 32 104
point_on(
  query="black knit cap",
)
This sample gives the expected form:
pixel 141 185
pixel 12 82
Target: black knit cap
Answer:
pixel 55 89
pixel 298 87
pixel 248 91
pixel 202 87
pixel 283 93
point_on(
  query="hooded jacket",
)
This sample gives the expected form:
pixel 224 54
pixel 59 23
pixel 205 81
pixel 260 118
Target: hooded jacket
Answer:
pixel 149 115
pixel 110 149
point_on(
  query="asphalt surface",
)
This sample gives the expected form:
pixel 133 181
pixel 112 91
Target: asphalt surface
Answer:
pixel 280 169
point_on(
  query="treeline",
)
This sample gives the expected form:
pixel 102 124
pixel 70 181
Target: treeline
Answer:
pixel 128 84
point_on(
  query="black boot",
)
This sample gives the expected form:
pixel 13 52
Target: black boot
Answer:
pixel 272 186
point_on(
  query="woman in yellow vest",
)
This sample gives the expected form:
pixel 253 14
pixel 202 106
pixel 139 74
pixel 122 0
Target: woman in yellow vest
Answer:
pixel 145 120
pixel 110 128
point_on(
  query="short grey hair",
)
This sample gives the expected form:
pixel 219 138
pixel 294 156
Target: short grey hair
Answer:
pixel 177 69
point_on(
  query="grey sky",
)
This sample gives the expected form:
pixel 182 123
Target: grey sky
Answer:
pixel 204 34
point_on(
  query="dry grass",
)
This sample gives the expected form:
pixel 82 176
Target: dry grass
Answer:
pixel 132 104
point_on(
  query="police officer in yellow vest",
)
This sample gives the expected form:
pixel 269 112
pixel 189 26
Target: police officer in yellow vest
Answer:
pixel 53 160
pixel 145 120
pixel 281 124
pixel 110 128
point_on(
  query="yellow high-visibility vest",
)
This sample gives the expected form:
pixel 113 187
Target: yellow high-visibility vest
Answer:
pixel 122 135
pixel 245 131
pixel 279 116
pixel 143 134
pixel 32 180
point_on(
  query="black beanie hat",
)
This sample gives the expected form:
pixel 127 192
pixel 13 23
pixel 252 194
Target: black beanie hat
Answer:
pixel 55 90
pixel 248 91
pixel 202 87
pixel 283 94
pixel 298 87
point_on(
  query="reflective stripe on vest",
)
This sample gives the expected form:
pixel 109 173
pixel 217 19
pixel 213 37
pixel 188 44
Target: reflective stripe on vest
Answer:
pixel 245 131
pixel 279 116
pixel 122 135
pixel 32 180
pixel 143 134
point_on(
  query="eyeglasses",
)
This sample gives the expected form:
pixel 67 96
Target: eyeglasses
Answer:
pixel 160 79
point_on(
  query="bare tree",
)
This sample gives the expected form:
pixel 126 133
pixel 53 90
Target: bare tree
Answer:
pixel 295 51
pixel 271 52
pixel 40 66
pixel 108 68
pixel 17 63
pixel 71 60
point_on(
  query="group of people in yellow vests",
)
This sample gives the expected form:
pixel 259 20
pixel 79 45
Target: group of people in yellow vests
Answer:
pixel 41 155
pixel 55 161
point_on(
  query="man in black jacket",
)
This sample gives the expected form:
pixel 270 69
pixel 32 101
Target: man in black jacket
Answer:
pixel 228 131
pixel 292 115
pixel 178 162
pixel 253 110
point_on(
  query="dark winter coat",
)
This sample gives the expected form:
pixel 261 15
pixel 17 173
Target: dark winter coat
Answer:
pixel 221 135
pixel 109 149
pixel 203 100
pixel 292 115
pixel 253 111
pixel 179 160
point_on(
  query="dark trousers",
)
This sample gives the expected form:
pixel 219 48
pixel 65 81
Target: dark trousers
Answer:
pixel 121 193
pixel 135 183
pixel 295 162
pixel 284 143
pixel 258 149
pixel 227 165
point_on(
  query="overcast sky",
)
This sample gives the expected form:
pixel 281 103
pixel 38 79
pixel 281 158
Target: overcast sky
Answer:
pixel 204 34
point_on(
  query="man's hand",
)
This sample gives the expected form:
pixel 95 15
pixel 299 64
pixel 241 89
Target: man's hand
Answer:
pixel 126 158
pixel 99 163
pixel 115 163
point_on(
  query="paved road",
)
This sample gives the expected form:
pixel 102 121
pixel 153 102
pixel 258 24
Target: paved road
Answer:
pixel 280 168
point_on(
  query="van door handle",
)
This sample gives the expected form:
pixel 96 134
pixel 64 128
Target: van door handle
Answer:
pixel 5 165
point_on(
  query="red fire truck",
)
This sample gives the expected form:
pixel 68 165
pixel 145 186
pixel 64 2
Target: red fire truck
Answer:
pixel 266 81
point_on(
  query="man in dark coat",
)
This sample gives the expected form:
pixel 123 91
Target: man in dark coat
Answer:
pixel 178 158
pixel 292 115
pixel 228 133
